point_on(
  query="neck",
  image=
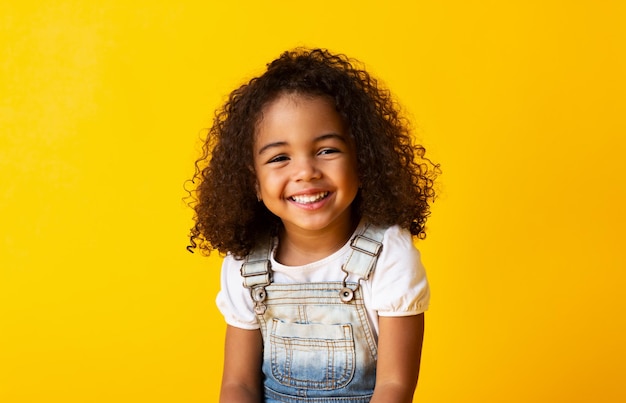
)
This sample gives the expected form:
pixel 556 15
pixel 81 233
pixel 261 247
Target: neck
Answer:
pixel 297 248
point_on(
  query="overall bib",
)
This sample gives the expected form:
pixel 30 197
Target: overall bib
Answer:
pixel 318 343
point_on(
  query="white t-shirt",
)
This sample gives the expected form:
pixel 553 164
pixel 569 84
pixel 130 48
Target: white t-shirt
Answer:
pixel 397 287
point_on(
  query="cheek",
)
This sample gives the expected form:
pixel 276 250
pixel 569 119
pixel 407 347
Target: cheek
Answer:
pixel 266 183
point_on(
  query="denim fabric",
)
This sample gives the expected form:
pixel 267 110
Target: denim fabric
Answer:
pixel 316 347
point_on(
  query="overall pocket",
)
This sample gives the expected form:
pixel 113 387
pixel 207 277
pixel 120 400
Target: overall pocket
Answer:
pixel 312 356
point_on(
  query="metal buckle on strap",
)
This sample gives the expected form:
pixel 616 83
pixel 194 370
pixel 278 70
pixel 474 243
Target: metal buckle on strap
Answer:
pixel 366 245
pixel 255 267
pixel 256 273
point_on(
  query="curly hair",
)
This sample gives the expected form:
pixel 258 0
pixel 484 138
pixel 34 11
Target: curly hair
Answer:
pixel 396 179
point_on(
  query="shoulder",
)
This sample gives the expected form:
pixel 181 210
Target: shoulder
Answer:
pixel 399 285
pixel 231 260
pixel 233 299
pixel 398 252
pixel 398 241
pixel 397 233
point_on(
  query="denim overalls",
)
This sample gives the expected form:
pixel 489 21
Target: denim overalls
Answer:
pixel 318 343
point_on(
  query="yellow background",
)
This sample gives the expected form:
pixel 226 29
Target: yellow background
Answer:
pixel 102 105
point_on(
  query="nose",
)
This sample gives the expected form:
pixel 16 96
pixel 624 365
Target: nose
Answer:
pixel 305 169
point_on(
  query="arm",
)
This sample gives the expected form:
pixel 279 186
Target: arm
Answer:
pixel 399 353
pixel 243 356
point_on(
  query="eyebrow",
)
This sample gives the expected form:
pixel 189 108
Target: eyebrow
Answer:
pixel 316 140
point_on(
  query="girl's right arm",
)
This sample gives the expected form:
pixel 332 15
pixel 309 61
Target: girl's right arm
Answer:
pixel 243 356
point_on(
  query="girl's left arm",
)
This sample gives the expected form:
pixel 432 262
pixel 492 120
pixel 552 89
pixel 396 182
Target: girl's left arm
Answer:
pixel 399 353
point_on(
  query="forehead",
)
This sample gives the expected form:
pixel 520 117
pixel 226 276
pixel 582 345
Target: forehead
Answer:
pixel 299 100
pixel 299 111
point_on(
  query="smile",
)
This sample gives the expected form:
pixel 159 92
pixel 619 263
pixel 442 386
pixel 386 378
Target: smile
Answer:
pixel 309 199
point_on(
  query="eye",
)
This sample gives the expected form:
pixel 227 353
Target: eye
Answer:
pixel 278 158
pixel 328 150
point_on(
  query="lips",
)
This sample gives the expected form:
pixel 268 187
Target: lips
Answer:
pixel 309 199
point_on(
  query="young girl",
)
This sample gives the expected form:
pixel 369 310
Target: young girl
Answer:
pixel 312 188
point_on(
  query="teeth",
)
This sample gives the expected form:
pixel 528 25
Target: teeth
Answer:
pixel 309 198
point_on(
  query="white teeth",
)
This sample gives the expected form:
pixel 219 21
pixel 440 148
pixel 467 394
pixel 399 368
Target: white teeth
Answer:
pixel 309 198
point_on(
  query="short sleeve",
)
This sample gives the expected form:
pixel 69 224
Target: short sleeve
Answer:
pixel 233 300
pixel 399 286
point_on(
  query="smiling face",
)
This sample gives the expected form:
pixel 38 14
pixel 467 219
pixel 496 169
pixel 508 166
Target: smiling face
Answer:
pixel 305 165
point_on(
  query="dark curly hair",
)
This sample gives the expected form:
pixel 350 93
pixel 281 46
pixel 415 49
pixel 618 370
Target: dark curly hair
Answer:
pixel 396 179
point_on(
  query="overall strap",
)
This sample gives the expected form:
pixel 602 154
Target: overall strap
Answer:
pixel 257 275
pixel 366 247
pixel 256 268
